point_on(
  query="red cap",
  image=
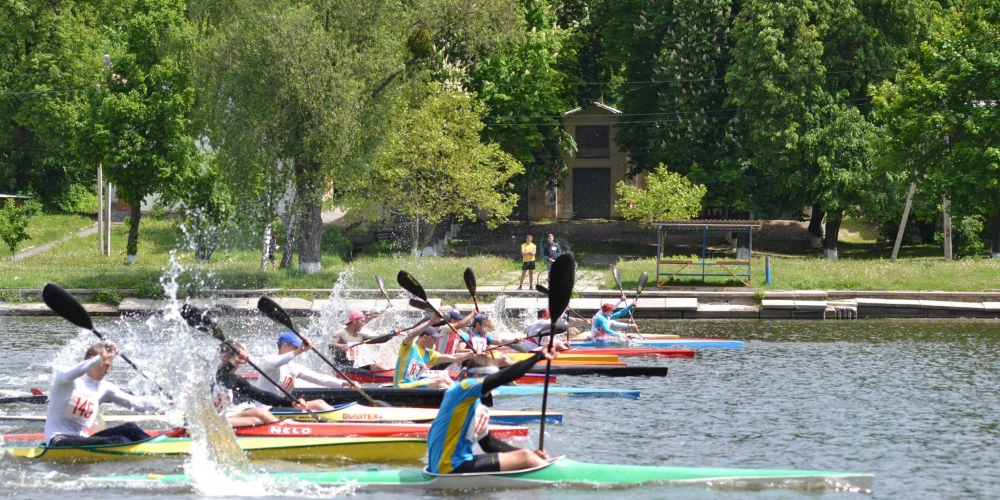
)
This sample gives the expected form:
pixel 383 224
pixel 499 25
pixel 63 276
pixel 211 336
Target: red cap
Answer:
pixel 355 315
pixel 607 307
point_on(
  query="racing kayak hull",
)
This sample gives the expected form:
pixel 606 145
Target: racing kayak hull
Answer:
pixel 297 448
pixel 385 377
pixel 664 343
pixel 433 397
pixel 627 352
pixel 566 472
pixel 607 371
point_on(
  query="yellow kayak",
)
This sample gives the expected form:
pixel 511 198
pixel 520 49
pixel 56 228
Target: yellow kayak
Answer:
pixel 349 449
pixel 354 412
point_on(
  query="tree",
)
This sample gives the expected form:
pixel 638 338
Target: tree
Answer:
pixel 13 225
pixel 50 61
pixel 435 167
pixel 668 196
pixel 942 115
pixel 141 127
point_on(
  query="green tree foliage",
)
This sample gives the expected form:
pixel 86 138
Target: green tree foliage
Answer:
pixel 141 126
pixel 50 62
pixel 524 91
pixel 13 224
pixel 435 167
pixel 668 196
pixel 943 117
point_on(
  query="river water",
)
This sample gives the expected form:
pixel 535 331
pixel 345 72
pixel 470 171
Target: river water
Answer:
pixel 913 401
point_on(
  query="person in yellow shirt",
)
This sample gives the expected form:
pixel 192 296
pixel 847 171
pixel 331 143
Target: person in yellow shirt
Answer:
pixel 527 262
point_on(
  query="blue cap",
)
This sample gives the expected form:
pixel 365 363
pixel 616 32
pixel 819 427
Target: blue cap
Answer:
pixel 289 338
pixel 479 318
pixel 454 314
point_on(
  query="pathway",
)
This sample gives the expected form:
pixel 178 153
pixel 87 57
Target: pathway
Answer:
pixel 30 252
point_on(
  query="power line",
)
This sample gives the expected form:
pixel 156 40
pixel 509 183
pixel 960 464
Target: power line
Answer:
pixel 675 80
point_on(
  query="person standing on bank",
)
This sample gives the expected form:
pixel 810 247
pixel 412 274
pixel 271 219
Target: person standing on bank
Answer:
pixel 272 248
pixel 527 262
pixel 551 251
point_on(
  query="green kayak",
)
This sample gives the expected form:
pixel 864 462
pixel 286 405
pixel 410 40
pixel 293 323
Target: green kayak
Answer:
pixel 563 471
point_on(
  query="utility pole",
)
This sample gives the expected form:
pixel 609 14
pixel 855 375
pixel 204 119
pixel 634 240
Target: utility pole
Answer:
pixel 947 229
pixel 100 209
pixel 107 226
pixel 902 223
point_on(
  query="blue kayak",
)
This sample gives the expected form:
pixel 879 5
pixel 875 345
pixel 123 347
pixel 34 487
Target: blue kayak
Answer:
pixel 510 391
pixel 680 342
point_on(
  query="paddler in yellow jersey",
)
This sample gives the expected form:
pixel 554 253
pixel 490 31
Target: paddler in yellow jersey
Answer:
pixel 463 420
pixel 417 353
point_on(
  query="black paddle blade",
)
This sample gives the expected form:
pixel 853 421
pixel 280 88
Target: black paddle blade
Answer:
pixel 201 320
pixel 380 281
pixel 65 305
pixel 272 310
pixel 410 284
pixel 470 280
pixel 541 289
pixel 561 279
pixel 419 304
pixel 643 278
pixel 618 278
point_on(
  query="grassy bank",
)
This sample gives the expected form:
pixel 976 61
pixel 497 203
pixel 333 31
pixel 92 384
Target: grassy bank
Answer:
pixel 45 228
pixel 76 264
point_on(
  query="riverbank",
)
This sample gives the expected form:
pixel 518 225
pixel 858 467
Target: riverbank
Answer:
pixel 655 303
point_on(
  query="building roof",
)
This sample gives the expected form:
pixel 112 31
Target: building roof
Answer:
pixel 598 105
pixel 21 196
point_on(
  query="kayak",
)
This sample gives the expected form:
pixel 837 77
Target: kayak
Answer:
pixel 680 342
pixel 624 352
pixel 354 412
pixel 433 397
pixel 385 377
pixel 607 371
pixel 560 472
pixel 354 449
pixel 295 428
pixel 349 412
pixel 571 357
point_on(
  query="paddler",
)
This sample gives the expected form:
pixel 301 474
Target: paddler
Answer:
pixel 227 384
pixel 417 353
pixel 75 398
pixel 532 342
pixel 477 339
pixel 463 420
pixel 344 343
pixel 604 322
pixel 283 369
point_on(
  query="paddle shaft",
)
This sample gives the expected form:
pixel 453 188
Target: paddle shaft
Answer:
pixel 545 390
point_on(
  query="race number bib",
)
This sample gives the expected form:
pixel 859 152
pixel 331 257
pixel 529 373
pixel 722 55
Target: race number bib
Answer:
pixel 480 424
pixel 414 370
pixel 81 409
pixel 479 344
pixel 352 353
pixel 221 399
pixel 288 382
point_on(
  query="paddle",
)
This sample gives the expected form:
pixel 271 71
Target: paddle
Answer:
pixel 202 320
pixel 643 278
pixel 618 281
pixel 382 338
pixel 561 279
pixel 470 283
pixel 65 305
pixel 272 310
pixel 545 330
pixel 380 281
pixel 410 284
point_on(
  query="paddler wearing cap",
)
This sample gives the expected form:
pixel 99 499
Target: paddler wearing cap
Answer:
pixel 417 353
pixel 533 343
pixel 282 368
pixel 604 321
pixel 344 343
pixel 477 339
pixel 463 420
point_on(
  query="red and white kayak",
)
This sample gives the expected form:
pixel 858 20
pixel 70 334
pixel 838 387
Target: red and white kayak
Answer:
pixel 627 352
pixel 385 377
pixel 289 428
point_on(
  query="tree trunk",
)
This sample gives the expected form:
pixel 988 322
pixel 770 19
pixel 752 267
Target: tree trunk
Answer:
pixel 311 236
pixel 291 235
pixel 833 220
pixel 816 227
pixel 994 222
pixel 132 249
pixel 415 235
pixel 267 244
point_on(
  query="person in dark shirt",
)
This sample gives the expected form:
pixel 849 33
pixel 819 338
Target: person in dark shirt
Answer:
pixel 228 386
pixel 551 251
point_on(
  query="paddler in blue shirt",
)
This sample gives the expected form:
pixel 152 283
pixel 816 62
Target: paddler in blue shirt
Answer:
pixel 604 322
pixel 463 420
pixel 417 353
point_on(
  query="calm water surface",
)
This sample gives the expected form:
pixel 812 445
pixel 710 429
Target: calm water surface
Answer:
pixel 913 401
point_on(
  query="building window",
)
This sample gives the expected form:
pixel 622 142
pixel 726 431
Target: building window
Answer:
pixel 592 141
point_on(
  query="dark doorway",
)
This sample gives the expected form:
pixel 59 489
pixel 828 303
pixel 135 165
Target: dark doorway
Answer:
pixel 591 193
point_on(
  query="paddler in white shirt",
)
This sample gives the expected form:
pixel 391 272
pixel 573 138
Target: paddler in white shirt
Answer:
pixel 283 369
pixel 543 323
pixel 76 396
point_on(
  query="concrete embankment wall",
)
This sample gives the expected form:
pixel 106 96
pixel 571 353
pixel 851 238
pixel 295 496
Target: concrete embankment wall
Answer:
pixel 669 304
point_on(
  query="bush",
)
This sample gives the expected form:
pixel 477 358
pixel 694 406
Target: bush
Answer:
pixel 14 224
pixel 77 199
pixel 965 241
pixel 335 242
pixel 113 297
pixel 15 298
pixel 149 290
